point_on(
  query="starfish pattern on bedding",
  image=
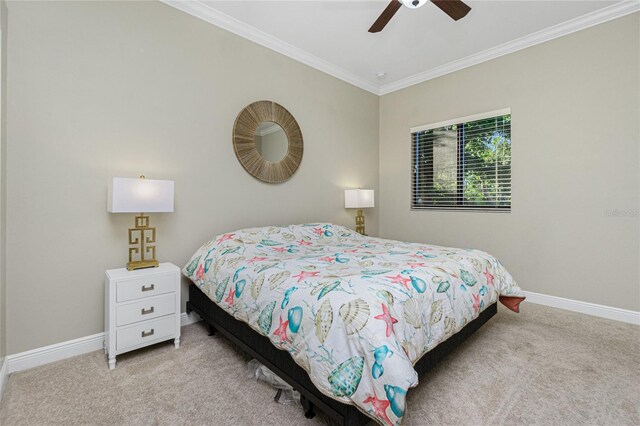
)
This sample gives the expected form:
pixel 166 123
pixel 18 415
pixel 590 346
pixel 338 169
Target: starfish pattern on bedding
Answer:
pixel 399 279
pixel 229 299
pixel 200 273
pixel 303 275
pixel 225 237
pixel 476 303
pixel 281 331
pixel 379 407
pixel 489 277
pixel 387 318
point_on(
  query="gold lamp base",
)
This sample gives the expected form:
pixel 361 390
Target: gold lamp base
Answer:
pixel 142 242
pixel 131 266
pixel 360 222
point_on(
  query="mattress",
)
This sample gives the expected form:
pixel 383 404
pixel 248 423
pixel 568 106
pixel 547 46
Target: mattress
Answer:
pixel 355 312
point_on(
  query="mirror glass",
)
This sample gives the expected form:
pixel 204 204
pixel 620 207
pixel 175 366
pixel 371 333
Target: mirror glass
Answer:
pixel 271 141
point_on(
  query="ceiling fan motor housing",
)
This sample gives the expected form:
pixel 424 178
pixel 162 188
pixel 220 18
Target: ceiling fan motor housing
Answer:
pixel 413 4
pixel 456 9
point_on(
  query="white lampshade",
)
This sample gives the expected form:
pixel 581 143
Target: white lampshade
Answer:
pixel 358 198
pixel 138 195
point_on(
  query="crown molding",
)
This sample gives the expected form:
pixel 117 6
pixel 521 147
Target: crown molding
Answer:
pixel 580 23
pixel 206 13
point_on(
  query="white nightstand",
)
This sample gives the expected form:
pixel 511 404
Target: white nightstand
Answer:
pixel 141 308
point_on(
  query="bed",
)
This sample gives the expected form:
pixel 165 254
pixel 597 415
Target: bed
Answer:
pixel 349 321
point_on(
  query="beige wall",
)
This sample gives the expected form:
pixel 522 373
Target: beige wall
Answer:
pixel 575 105
pixel 99 90
pixel 3 169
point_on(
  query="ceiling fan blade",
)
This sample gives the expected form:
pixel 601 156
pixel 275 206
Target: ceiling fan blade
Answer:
pixel 456 9
pixel 385 16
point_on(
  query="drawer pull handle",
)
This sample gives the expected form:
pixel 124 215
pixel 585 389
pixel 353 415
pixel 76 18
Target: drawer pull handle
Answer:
pixel 147 333
pixel 148 288
pixel 144 311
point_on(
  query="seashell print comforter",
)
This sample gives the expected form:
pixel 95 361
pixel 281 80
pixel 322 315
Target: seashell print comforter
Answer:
pixel 355 312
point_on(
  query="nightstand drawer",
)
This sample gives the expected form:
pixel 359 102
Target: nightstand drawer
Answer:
pixel 145 287
pixel 145 309
pixel 145 332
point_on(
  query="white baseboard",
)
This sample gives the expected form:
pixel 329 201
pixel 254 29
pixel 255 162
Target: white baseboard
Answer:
pixel 45 355
pixel 59 351
pixel 3 376
pixel 624 315
pixel 188 319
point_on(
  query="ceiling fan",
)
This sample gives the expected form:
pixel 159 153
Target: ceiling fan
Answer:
pixel 456 9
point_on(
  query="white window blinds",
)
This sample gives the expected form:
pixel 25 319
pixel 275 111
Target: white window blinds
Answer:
pixel 463 164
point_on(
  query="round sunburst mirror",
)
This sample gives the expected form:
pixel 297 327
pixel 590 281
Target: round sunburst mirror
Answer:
pixel 267 141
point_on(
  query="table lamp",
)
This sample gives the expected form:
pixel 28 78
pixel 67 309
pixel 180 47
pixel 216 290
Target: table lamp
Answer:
pixel 358 199
pixel 133 195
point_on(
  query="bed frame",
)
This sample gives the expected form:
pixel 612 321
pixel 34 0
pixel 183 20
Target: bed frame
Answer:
pixel 281 363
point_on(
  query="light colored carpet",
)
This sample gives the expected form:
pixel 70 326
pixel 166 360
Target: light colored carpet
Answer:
pixel 544 367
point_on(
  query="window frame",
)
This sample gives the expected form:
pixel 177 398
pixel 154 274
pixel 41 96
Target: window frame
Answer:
pixel 458 121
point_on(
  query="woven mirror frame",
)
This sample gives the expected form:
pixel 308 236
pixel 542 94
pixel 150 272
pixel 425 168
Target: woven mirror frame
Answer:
pixel 245 148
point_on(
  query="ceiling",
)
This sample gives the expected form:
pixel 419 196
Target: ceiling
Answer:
pixel 418 44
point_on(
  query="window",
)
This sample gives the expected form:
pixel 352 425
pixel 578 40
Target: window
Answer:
pixel 463 164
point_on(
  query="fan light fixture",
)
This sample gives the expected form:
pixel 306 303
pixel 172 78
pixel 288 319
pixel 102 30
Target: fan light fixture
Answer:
pixel 413 4
pixel 456 9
